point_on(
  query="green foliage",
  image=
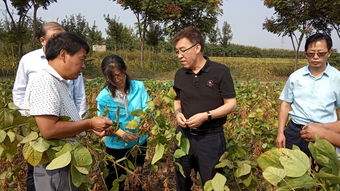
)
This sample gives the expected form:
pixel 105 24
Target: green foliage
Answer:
pixel 290 169
pixel 118 35
pixel 226 34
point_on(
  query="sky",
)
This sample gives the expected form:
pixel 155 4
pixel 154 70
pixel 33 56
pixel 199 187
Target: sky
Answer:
pixel 244 16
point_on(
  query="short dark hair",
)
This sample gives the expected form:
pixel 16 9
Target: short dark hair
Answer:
pixel 317 37
pixel 193 34
pixel 65 41
pixel 110 63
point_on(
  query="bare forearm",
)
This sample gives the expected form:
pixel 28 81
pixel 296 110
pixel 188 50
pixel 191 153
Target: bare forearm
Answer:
pixel 64 129
pixel 222 111
pixel 331 136
pixel 283 116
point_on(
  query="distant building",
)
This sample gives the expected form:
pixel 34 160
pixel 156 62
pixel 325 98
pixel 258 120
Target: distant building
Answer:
pixel 99 48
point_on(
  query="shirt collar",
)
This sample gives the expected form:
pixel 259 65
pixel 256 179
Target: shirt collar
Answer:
pixel 205 68
pixel 326 72
pixel 49 69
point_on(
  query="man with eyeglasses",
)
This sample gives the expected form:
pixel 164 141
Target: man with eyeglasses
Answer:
pixel 204 96
pixel 311 94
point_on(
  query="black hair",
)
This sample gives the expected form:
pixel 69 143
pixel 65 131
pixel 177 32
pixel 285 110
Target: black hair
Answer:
pixel 110 63
pixel 317 37
pixel 192 33
pixel 65 41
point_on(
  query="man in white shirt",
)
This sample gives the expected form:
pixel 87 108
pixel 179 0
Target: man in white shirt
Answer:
pixel 33 62
pixel 47 98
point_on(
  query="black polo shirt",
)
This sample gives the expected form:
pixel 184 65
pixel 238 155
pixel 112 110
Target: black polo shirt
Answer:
pixel 204 91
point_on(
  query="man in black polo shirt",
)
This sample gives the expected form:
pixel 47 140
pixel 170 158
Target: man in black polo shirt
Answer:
pixel 204 96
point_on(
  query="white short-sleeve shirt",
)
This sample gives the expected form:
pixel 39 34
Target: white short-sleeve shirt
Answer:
pixel 48 94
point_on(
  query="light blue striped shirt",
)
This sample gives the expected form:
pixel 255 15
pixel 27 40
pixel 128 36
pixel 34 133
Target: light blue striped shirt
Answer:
pixel 313 100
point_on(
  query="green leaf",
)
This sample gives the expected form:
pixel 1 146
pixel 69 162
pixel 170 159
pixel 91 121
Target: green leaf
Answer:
pixel 138 113
pixel 30 137
pixel 83 169
pixel 40 144
pixel 82 156
pixel 270 158
pixel 305 181
pixel 218 182
pixel 3 135
pixel 324 154
pixel 208 186
pixel 64 118
pixel 185 145
pixel 179 153
pixel 8 118
pixel 11 136
pixel 295 162
pixel 1 150
pixel 60 162
pixel 31 156
pixel 12 106
pixel 130 164
pixel 66 148
pixel 178 138
pixel 329 177
pixel 106 111
pixel 77 177
pixel 274 175
pixel 133 124
pixel 225 163
pixel 159 151
pixel 180 168
pixel 242 170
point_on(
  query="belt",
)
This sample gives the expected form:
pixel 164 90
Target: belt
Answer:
pixel 204 131
pixel 296 125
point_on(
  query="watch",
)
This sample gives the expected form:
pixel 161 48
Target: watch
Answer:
pixel 209 115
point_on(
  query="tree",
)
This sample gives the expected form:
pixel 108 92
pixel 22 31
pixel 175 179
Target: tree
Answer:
pixel 214 35
pixel 287 23
pixel 118 35
pixel 145 11
pixel 93 35
pixel 325 15
pixel 154 35
pixel 200 13
pixel 18 25
pixel 76 24
pixel 226 34
pixel 36 24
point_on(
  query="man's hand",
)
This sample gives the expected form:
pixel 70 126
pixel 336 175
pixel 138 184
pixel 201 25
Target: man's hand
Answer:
pixel 106 132
pixel 310 131
pixel 281 140
pixel 100 123
pixel 181 120
pixel 196 120
pixel 128 136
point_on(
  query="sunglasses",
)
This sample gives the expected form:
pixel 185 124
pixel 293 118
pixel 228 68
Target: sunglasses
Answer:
pixel 312 54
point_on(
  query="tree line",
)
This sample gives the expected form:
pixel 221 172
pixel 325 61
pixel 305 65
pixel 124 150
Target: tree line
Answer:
pixel 158 21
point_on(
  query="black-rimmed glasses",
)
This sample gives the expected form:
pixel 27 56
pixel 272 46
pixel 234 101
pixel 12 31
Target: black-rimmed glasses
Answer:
pixel 185 50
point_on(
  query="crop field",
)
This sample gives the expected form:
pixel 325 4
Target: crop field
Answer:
pixel 250 131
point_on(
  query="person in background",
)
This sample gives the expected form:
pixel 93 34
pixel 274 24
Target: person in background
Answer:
pixel 127 95
pixel 205 95
pixel 47 98
pixel 311 94
pixel 33 62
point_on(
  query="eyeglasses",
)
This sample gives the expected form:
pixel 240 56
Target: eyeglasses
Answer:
pixel 312 54
pixel 185 50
